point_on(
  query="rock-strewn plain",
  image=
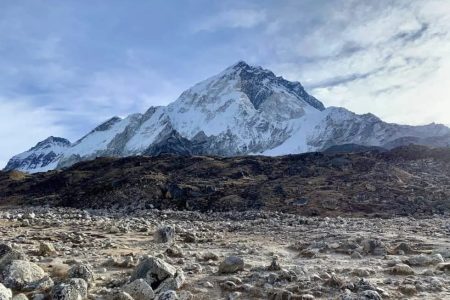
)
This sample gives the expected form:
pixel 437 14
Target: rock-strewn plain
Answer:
pixel 60 253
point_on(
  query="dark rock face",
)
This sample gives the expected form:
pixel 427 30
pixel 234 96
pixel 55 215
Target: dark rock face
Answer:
pixel 253 85
pixel 404 181
pixel 171 143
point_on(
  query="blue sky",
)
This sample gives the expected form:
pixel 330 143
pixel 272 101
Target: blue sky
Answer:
pixel 65 66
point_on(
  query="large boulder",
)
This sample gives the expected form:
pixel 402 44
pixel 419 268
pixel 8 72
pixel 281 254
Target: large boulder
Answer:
pixel 8 254
pixel 401 269
pixel 24 275
pixel 153 267
pixel 156 272
pixel 74 289
pixel 83 271
pixel 139 290
pixel 46 249
pixel 231 264
pixel 374 247
pixel 172 283
pixel 5 293
pixel 168 295
pixel 423 260
pixel 4 248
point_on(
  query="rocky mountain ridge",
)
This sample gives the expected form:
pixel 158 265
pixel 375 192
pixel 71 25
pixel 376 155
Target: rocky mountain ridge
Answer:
pixel 244 110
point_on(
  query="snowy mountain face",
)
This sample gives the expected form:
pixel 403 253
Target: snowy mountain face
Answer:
pixel 242 110
pixel 41 158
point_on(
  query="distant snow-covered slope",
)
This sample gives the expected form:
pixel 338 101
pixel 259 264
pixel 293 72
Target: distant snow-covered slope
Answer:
pixel 242 110
pixel 41 158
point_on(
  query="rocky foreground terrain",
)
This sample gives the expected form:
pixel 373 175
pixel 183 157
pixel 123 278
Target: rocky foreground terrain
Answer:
pixel 60 253
pixel 333 225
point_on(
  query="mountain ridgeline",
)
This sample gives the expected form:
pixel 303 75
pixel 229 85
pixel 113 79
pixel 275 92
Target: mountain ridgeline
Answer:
pixel 244 110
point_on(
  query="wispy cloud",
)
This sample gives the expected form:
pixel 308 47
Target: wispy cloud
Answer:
pixel 235 18
pixel 376 57
pixel 23 125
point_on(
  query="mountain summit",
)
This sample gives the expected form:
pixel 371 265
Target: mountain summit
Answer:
pixel 242 110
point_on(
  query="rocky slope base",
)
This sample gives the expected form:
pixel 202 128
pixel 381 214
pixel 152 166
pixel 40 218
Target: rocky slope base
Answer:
pixel 69 254
pixel 403 181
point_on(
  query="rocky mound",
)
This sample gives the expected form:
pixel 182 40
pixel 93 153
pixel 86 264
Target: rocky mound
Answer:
pixel 402 181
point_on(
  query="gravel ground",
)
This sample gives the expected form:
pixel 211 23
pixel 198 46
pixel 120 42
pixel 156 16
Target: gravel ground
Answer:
pixel 58 253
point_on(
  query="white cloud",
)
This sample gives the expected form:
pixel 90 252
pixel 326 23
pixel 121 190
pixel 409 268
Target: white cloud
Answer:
pixel 388 59
pixel 237 18
pixel 24 126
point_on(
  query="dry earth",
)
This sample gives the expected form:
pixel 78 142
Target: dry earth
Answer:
pixel 273 255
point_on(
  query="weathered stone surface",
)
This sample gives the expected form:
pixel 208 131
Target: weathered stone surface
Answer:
pixel 374 247
pixel 139 289
pixel 423 260
pixel 168 295
pixel 153 270
pixel 5 293
pixel 401 269
pixel 46 249
pixel 21 275
pixel 165 234
pixel 83 271
pixel 9 256
pixel 69 291
pixel 119 295
pixel 231 264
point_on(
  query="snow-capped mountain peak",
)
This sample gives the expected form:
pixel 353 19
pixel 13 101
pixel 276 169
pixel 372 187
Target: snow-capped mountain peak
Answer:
pixel 242 110
pixel 40 158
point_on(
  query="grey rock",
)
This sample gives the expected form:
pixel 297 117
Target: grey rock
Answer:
pixel 153 270
pixel 83 271
pixel 139 289
pixel 165 234
pixel 374 247
pixel 231 264
pixel 66 291
pixel 5 293
pixel 20 297
pixel 9 256
pixel 370 295
pixel 172 283
pixel 168 295
pixel 423 260
pixel 117 294
pixel 21 275
pixel 46 249
pixel 401 269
